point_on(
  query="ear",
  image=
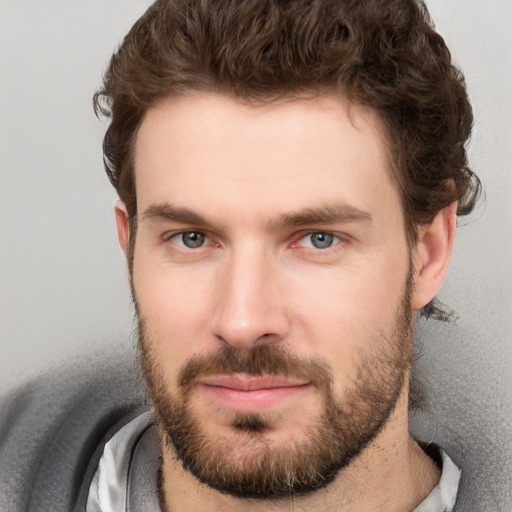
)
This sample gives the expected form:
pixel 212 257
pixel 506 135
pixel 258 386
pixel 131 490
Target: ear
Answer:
pixel 432 255
pixel 123 231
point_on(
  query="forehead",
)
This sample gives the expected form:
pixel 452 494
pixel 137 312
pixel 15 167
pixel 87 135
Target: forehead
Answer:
pixel 207 151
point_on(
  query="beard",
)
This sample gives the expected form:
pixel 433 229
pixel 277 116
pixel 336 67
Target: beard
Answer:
pixel 246 463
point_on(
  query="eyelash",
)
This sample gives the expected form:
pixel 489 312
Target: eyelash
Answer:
pixel 337 240
pixel 170 237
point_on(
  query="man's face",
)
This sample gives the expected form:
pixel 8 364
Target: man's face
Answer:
pixel 272 280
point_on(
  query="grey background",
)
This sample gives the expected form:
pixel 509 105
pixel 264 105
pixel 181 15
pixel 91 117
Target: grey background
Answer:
pixel 63 285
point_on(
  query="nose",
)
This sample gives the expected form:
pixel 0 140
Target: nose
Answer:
pixel 250 306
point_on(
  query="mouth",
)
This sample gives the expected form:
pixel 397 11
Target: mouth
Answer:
pixel 246 393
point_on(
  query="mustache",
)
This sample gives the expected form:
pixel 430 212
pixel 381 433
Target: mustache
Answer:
pixel 255 361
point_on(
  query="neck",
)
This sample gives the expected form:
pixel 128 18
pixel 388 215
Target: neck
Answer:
pixel 392 473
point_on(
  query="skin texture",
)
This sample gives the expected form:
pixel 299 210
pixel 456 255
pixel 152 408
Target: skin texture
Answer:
pixel 257 181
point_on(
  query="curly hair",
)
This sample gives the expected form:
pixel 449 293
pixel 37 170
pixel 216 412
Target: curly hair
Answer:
pixel 383 54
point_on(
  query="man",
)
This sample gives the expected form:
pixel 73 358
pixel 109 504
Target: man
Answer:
pixel 289 175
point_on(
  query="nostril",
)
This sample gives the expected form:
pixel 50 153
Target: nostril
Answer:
pixel 268 337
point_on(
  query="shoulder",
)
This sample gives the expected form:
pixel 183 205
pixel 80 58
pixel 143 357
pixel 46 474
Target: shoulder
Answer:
pixel 53 428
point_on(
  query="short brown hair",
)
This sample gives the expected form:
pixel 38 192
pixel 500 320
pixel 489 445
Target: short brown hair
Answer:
pixel 384 54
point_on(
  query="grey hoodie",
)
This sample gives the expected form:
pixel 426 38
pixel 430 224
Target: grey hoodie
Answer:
pixel 53 430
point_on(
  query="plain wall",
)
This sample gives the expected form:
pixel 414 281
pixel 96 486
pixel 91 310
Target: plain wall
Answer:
pixel 63 286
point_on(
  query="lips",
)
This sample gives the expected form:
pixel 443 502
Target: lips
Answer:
pixel 249 393
pixel 250 383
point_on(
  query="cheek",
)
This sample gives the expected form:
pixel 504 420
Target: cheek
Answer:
pixel 175 308
pixel 351 298
pixel 341 314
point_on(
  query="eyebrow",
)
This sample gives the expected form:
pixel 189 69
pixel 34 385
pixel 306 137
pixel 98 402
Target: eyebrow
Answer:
pixel 331 213
pixel 168 212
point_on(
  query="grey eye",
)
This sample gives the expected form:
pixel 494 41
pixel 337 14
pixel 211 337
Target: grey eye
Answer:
pixel 192 239
pixel 321 240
